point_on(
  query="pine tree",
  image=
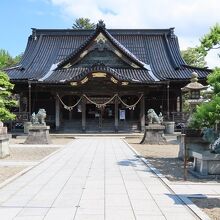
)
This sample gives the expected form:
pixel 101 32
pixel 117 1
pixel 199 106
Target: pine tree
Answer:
pixel 83 23
pixel 208 114
pixel 210 41
pixel 6 60
pixel 193 57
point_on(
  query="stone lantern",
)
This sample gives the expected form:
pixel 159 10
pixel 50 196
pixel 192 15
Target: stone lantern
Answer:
pixel 191 136
pixel 194 89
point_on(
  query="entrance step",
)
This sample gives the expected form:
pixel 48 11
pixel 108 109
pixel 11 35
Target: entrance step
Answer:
pixel 107 135
pixel 93 125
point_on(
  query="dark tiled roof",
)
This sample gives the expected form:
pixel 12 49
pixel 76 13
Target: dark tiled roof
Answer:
pixel 158 48
pixel 76 74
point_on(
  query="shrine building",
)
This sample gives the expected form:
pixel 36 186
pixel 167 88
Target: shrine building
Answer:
pixel 101 80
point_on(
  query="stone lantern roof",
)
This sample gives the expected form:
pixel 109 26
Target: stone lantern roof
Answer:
pixel 194 84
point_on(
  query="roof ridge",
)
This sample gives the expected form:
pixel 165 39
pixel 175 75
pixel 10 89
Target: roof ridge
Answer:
pixel 136 31
pixel 198 68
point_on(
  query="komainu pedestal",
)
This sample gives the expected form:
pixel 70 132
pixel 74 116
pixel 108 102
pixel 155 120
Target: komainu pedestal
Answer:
pixel 38 134
pixel 206 164
pixel 154 134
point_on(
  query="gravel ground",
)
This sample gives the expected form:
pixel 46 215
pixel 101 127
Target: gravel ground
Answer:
pixel 24 153
pixel 164 158
pixel 29 154
pixel 7 172
pixel 211 206
pixel 55 141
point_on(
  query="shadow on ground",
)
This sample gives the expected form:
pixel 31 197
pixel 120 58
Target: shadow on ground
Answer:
pixel 208 203
pixel 128 162
pixel 211 206
pixel 165 159
pixel 173 169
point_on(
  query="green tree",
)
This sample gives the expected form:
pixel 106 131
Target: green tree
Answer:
pixel 208 114
pixel 214 81
pixel 193 57
pixel 6 98
pixel 83 23
pixel 210 41
pixel 17 58
pixel 6 60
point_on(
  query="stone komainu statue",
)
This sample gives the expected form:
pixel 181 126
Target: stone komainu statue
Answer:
pixel 215 147
pixel 39 118
pixel 210 135
pixel 153 117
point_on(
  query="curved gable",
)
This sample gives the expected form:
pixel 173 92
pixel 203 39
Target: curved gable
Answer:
pixel 102 40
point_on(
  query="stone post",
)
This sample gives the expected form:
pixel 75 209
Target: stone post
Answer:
pixel 4 141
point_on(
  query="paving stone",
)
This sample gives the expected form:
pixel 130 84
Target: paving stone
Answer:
pixel 91 178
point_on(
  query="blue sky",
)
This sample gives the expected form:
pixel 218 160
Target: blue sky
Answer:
pixel 191 18
pixel 19 16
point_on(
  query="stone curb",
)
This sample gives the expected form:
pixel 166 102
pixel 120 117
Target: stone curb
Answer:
pixel 193 208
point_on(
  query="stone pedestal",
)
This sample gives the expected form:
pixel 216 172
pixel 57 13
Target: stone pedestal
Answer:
pixel 154 134
pixel 206 164
pixel 4 145
pixel 4 141
pixel 38 134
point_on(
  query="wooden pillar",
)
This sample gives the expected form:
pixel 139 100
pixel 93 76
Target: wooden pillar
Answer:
pixel 178 104
pixel 29 99
pixel 142 113
pixel 83 114
pixel 57 113
pixel 116 115
pixel 168 101
pixel 181 102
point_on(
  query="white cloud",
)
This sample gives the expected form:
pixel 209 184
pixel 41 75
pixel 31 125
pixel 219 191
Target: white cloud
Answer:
pixel 191 18
pixel 213 59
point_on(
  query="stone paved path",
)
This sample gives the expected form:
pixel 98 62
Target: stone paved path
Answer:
pixel 94 179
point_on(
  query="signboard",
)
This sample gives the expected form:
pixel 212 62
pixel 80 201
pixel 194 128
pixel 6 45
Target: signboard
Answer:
pixel 122 114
